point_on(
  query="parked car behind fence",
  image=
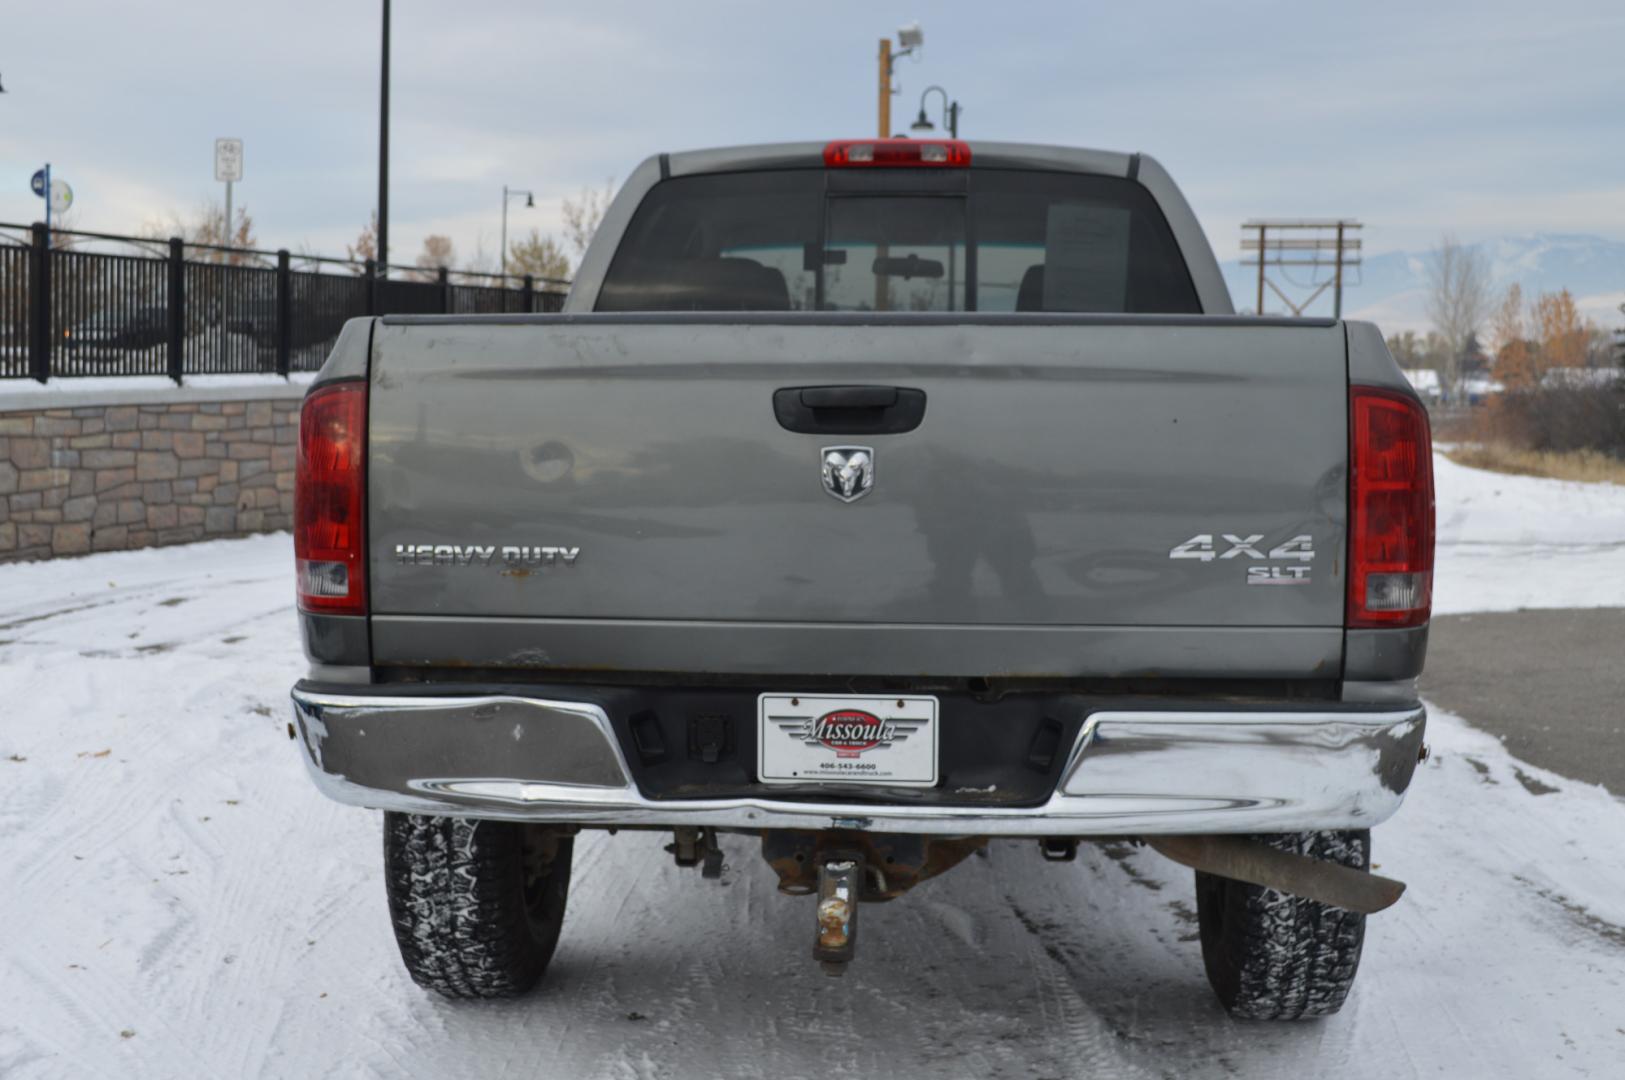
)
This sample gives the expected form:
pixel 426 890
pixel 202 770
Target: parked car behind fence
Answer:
pixel 167 307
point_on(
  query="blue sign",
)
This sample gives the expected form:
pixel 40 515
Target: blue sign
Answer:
pixel 38 183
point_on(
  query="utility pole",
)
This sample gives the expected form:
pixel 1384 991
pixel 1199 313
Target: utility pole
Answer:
pixel 1263 227
pixel 383 156
pixel 1303 244
pixel 885 88
pixel 1337 292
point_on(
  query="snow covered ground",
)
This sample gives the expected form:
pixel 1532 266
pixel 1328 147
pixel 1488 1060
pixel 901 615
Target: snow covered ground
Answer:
pixel 1509 542
pixel 177 901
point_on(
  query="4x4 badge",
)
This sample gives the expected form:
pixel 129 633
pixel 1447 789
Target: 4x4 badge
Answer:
pixel 848 471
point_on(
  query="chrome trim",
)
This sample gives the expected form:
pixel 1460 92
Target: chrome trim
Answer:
pixel 1129 773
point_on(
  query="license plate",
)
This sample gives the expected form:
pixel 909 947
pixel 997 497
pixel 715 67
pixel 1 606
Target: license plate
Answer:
pixel 822 738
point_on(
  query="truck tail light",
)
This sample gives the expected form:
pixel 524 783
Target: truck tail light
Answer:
pixel 329 501
pixel 896 153
pixel 1390 510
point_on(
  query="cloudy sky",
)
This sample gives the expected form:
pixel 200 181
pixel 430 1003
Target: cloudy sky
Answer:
pixel 1479 117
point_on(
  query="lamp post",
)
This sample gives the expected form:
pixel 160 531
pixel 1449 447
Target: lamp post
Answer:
pixel 507 194
pixel 383 154
pixel 950 114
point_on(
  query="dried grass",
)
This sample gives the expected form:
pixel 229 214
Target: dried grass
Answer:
pixel 1588 466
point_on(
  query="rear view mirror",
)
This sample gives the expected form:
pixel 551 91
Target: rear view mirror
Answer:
pixel 911 266
pixel 814 256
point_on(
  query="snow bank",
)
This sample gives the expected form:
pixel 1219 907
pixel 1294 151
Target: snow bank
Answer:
pixel 1509 542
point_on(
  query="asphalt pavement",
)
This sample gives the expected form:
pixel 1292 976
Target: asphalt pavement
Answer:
pixel 1550 684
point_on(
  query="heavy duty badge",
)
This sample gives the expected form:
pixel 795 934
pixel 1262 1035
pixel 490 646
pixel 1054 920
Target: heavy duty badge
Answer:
pixel 484 555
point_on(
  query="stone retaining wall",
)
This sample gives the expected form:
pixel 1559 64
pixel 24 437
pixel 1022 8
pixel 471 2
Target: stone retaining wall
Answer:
pixel 108 477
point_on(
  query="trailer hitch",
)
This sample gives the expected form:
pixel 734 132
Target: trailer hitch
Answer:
pixel 840 879
pixel 694 846
pixel 1241 859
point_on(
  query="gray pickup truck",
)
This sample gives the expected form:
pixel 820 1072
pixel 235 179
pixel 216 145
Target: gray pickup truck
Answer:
pixel 872 501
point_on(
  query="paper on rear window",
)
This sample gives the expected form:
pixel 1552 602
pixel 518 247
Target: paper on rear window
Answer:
pixel 1085 257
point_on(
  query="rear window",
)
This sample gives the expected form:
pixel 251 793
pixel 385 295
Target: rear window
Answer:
pixel 1013 240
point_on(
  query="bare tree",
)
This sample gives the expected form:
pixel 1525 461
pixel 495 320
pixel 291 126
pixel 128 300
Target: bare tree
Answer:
pixel 539 256
pixel 483 261
pixel 437 252
pixel 1562 331
pixel 1599 346
pixel 1515 354
pixel 211 228
pixel 1407 349
pixel 365 246
pixel 1458 300
pixel 207 225
pixel 582 215
pixel 62 224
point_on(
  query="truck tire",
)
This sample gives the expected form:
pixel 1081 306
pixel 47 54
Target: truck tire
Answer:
pixel 476 905
pixel 1271 956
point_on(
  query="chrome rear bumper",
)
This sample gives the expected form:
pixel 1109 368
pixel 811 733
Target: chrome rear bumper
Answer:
pixel 1129 773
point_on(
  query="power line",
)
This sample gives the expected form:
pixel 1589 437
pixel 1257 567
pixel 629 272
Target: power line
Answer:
pixel 1296 242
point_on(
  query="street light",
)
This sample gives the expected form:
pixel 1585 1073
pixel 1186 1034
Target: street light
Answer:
pixel 508 194
pixel 950 114
pixel 382 234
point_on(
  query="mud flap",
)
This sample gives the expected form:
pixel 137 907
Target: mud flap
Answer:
pixel 1242 859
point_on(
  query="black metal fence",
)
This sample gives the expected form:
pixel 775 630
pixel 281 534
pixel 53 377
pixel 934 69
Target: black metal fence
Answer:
pixel 167 307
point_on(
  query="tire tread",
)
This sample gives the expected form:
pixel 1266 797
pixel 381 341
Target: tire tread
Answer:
pixel 457 905
pixel 1274 956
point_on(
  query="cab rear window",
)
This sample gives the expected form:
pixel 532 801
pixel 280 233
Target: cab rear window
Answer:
pixel 1012 240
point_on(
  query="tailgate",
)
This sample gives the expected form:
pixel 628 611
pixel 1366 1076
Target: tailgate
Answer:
pixel 620 488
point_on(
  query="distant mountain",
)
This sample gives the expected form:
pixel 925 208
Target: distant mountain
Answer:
pixel 1390 288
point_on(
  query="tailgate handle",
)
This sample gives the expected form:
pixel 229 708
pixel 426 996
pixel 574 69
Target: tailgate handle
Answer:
pixel 849 410
pixel 849 397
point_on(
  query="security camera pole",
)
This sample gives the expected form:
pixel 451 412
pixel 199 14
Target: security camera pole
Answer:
pixel 910 37
pixel 885 88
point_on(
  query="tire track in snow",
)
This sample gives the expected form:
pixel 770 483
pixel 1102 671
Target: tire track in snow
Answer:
pixel 1472 973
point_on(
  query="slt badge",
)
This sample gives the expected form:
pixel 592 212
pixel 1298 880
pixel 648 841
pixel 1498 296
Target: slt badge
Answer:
pixel 848 471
